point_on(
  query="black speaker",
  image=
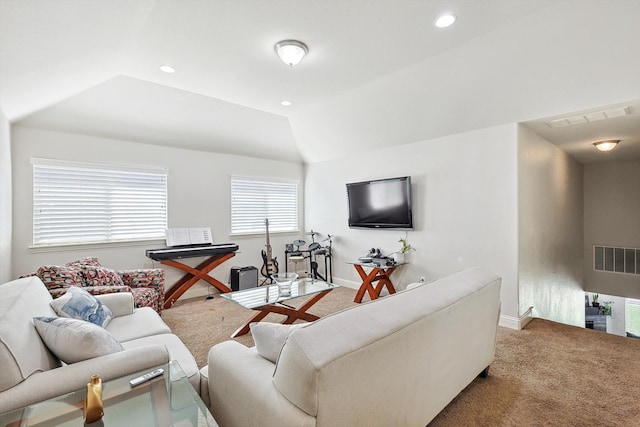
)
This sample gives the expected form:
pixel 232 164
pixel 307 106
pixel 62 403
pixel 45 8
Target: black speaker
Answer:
pixel 243 278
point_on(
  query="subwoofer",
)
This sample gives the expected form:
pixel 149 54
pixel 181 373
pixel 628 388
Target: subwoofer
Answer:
pixel 243 278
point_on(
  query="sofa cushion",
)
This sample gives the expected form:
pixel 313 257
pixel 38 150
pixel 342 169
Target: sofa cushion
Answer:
pixel 143 322
pixel 270 337
pixel 80 304
pixel 22 352
pixel 74 340
pixel 60 276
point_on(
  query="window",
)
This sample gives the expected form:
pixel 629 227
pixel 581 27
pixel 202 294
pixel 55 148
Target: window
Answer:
pixel 253 200
pixel 95 203
pixel 633 316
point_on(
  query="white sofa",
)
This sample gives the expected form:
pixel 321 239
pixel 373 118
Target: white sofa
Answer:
pixel 396 361
pixel 31 373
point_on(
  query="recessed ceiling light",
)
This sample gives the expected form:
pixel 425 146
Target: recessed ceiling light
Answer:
pixel 445 20
pixel 285 103
pixel 167 69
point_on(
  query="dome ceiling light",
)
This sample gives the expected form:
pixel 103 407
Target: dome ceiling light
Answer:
pixel 607 145
pixel 291 52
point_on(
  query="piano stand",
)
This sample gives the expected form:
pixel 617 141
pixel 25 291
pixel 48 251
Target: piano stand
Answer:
pixel 194 274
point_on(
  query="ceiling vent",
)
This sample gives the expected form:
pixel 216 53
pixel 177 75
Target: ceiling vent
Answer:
pixel 589 117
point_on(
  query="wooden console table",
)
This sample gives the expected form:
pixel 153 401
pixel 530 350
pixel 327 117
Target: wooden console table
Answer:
pixel 380 274
pixel 217 255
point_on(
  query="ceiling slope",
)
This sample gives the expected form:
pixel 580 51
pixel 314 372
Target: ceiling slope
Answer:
pixel 564 58
pixel 378 73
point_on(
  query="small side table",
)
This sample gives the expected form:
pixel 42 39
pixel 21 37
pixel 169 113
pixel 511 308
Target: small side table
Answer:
pixel 379 273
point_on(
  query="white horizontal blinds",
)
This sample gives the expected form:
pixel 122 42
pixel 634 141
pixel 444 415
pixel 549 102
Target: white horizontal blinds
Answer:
pixel 91 203
pixel 253 200
pixel 633 316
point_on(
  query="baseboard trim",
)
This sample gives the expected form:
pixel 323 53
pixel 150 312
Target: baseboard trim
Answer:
pixel 516 323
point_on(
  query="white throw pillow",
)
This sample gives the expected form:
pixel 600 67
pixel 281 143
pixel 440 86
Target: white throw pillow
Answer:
pixel 80 304
pixel 270 337
pixel 73 340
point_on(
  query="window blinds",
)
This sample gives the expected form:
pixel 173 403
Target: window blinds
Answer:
pixel 253 200
pixel 94 203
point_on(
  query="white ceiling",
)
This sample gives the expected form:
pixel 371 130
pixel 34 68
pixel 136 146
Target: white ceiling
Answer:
pixel 92 67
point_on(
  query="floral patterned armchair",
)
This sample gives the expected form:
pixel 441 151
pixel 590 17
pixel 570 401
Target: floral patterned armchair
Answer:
pixel 146 285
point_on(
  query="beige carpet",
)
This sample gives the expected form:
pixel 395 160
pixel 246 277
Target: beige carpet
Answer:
pixel 547 374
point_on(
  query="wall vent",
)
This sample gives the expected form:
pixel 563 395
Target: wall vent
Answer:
pixel 616 260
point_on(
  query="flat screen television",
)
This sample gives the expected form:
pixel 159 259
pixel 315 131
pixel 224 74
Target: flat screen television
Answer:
pixel 381 203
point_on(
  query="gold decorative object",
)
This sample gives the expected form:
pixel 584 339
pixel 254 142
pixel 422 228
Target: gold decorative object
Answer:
pixel 93 410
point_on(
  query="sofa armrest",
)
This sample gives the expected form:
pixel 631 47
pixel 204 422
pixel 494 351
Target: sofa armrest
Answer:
pixel 242 392
pixel 49 384
pixel 121 304
pixel 144 278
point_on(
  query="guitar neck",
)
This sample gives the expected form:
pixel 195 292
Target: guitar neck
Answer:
pixel 266 223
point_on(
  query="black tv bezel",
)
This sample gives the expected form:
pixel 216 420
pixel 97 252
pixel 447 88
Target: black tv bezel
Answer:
pixel 383 226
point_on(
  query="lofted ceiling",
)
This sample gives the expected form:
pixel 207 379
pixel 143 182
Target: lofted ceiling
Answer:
pixel 92 67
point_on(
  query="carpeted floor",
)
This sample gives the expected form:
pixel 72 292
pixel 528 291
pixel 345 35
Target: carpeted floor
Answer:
pixel 547 374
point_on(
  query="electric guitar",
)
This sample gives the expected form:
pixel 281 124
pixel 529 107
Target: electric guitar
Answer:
pixel 270 264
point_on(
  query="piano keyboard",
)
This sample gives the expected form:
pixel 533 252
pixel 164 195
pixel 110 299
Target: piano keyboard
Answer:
pixel 191 251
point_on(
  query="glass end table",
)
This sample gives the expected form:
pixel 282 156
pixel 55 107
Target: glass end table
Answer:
pixel 168 400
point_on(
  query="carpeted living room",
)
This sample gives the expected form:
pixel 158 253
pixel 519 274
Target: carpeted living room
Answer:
pixel 449 180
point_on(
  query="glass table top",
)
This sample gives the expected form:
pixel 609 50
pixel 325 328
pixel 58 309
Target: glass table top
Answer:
pixel 268 294
pixel 164 401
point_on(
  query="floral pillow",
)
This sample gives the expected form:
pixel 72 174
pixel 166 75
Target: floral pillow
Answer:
pixel 95 274
pixel 80 304
pixel 59 277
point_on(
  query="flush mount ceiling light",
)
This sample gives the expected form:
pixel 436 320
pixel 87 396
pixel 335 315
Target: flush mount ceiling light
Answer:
pixel 167 69
pixel 607 145
pixel 285 103
pixel 291 52
pixel 445 20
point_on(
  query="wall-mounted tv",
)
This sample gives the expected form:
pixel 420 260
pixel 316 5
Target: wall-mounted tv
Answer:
pixel 381 203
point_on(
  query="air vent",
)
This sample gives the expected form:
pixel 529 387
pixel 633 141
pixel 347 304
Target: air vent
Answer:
pixel 616 260
pixel 589 117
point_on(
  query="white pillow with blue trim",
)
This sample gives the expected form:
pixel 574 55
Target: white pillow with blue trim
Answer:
pixel 80 304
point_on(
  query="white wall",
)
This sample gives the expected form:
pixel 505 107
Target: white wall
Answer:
pixel 611 218
pixel 199 196
pixel 5 199
pixel 550 198
pixel 465 207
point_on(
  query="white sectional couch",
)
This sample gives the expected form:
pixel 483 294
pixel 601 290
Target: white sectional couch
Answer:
pixel 31 373
pixel 396 361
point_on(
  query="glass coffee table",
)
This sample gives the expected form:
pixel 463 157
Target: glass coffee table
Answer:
pixel 168 400
pixel 266 299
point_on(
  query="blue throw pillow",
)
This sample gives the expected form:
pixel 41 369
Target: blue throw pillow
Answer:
pixel 80 304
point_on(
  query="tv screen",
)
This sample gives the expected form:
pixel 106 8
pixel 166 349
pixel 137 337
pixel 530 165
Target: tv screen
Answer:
pixel 382 203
